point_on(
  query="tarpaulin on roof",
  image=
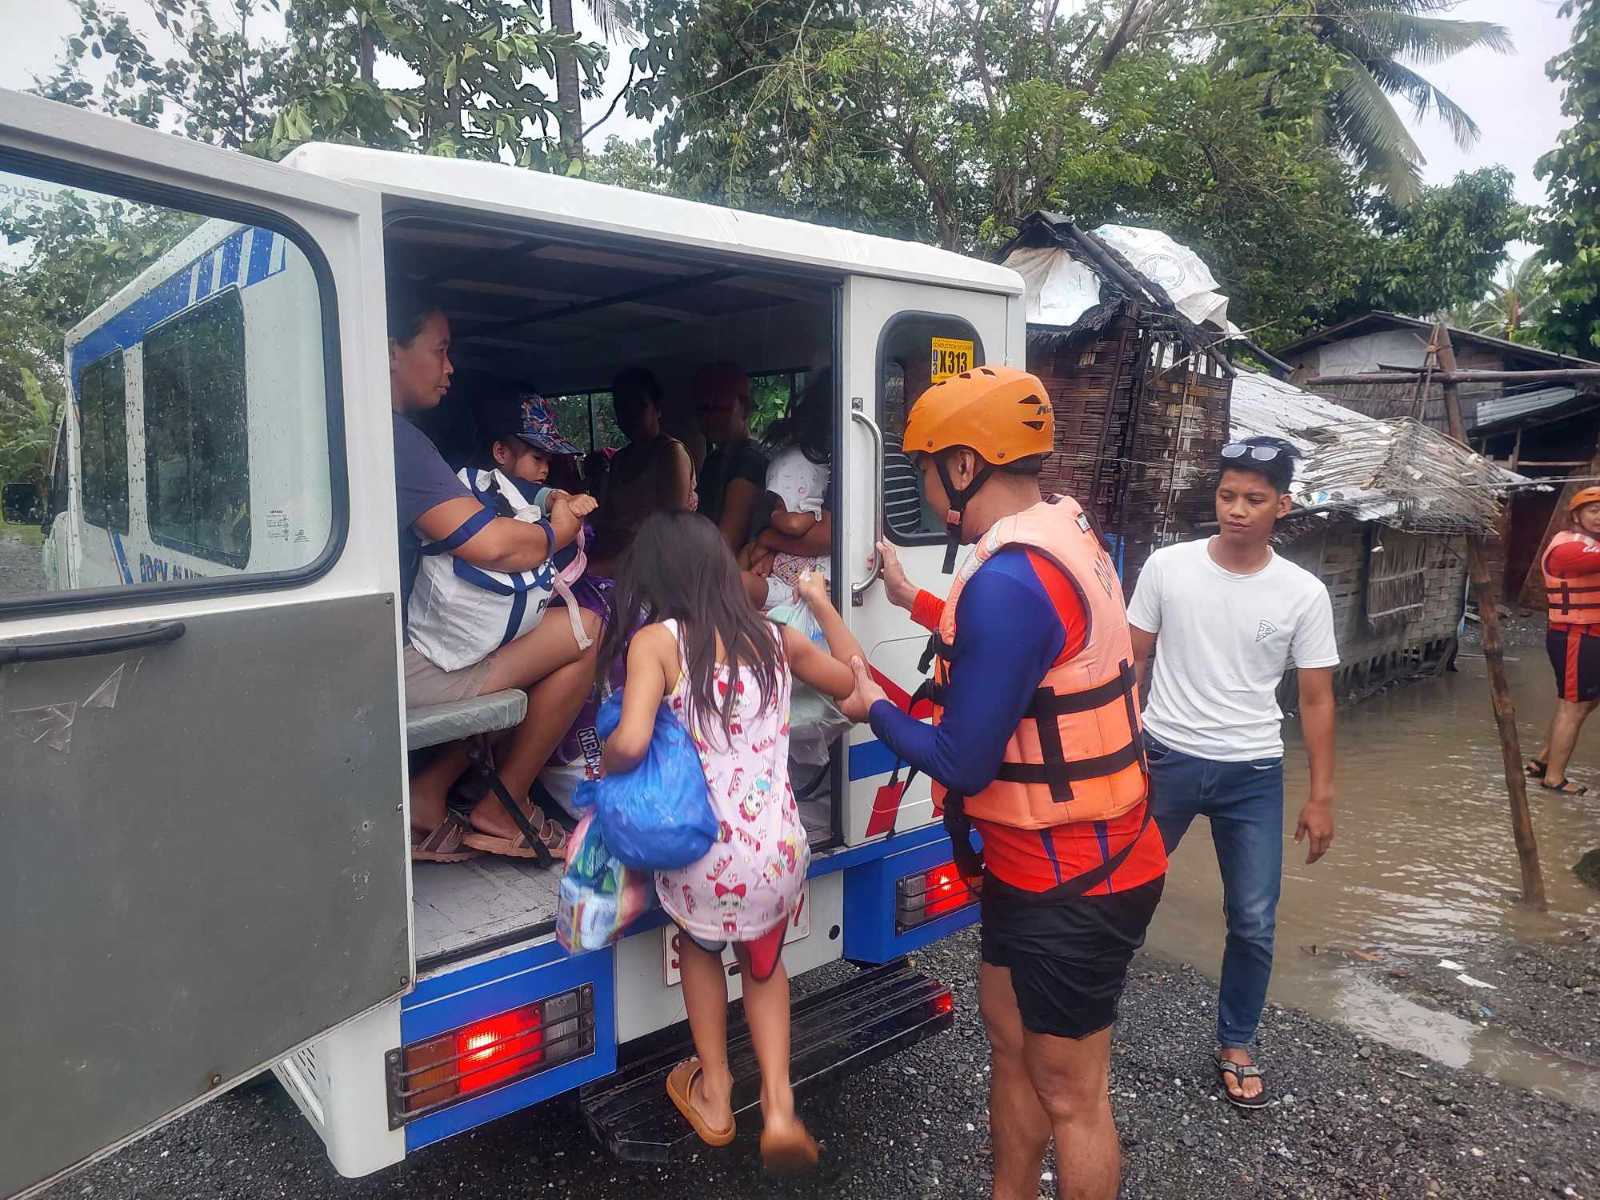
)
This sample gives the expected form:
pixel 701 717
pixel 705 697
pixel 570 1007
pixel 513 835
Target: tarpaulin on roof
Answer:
pixel 1178 269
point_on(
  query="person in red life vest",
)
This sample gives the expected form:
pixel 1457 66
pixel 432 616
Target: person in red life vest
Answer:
pixel 1226 617
pixel 1571 567
pixel 1036 742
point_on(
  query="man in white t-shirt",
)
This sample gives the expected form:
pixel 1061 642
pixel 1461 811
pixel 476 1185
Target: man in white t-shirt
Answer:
pixel 1226 618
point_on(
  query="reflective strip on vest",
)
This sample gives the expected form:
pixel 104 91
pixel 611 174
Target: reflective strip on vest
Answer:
pixel 1574 601
pixel 1078 752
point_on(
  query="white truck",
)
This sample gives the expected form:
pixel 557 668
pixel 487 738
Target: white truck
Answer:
pixel 203 737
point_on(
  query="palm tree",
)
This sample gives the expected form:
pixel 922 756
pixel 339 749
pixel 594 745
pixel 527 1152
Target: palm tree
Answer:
pixel 1371 37
pixel 614 20
pixel 1519 299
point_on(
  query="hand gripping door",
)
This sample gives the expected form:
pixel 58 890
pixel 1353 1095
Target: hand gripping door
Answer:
pixel 201 756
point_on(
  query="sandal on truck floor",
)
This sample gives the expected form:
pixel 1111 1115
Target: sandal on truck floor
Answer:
pixel 444 843
pixel 539 838
pixel 1536 767
pixel 680 1090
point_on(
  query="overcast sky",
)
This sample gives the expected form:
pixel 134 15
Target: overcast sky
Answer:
pixel 1517 108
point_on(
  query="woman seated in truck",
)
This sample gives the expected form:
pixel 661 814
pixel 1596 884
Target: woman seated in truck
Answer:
pixel 799 532
pixel 652 473
pixel 439 514
pixel 735 472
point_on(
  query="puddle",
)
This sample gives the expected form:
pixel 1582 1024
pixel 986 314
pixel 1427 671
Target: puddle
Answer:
pixel 1423 864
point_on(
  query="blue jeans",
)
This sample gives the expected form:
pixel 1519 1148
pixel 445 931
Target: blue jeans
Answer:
pixel 1244 802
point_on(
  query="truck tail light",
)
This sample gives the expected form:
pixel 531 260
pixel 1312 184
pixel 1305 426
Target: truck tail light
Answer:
pixel 929 894
pixel 500 1049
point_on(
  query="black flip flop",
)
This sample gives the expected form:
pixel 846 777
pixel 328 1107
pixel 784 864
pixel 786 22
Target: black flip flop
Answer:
pixel 1536 768
pixel 1240 1072
pixel 1566 787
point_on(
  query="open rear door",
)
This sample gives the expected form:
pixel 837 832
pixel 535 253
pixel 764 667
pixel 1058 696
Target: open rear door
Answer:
pixel 201 761
pixel 900 338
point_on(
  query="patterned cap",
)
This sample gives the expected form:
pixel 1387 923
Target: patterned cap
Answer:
pixel 528 418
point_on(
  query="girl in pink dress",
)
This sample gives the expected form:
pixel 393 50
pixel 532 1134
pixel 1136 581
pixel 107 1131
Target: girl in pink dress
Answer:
pixel 725 670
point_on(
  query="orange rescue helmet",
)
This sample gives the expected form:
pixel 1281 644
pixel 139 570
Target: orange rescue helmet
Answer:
pixel 1001 413
pixel 1588 495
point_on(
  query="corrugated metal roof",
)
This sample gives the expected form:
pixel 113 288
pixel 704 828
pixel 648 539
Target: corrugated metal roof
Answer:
pixel 1399 473
pixel 1506 408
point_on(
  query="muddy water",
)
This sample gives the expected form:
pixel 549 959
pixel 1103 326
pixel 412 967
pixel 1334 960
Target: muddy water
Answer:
pixel 1422 863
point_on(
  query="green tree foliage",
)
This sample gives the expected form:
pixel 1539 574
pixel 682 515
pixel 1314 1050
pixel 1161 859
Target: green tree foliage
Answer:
pixel 1442 249
pixel 1209 119
pixel 1515 307
pixel 1375 41
pixel 477 64
pixel 1570 233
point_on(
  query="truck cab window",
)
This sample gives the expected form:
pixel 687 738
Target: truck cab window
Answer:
pixel 197 459
pixel 174 373
pixel 915 351
pixel 103 428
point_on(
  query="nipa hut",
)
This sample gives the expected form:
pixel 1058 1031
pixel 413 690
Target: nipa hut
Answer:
pixel 1382 510
pixel 1124 328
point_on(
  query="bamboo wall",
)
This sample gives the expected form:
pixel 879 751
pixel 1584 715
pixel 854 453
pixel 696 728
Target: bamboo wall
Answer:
pixel 1418 638
pixel 1140 422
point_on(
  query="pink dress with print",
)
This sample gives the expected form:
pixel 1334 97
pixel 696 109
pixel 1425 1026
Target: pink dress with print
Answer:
pixel 747 885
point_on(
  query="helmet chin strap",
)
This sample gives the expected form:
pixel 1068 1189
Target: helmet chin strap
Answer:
pixel 959 498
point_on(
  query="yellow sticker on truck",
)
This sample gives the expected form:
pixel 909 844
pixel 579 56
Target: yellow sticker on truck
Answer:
pixel 950 356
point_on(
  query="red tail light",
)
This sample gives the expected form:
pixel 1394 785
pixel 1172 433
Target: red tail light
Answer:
pixel 488 1053
pixel 933 893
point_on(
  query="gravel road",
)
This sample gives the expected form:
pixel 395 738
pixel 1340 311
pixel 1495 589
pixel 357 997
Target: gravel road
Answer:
pixel 1353 1118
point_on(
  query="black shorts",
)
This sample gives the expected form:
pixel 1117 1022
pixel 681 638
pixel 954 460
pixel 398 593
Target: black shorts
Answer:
pixel 1068 957
pixel 1575 658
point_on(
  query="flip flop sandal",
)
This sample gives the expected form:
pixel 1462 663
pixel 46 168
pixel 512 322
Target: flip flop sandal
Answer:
pixel 527 844
pixel 1536 768
pixel 792 1154
pixel 444 844
pixel 1240 1072
pixel 1566 787
pixel 680 1087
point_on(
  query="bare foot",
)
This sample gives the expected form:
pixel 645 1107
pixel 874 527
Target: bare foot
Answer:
pixel 1240 1089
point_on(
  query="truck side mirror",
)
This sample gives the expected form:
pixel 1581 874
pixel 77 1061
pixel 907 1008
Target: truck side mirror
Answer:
pixel 22 503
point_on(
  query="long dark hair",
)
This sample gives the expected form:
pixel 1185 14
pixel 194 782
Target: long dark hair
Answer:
pixel 680 568
pixel 808 423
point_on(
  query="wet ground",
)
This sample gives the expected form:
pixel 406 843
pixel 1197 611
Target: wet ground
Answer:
pixel 1354 1118
pixel 1392 1076
pixel 20 569
pixel 1423 871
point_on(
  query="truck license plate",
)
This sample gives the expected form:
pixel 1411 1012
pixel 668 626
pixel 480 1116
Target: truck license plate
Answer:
pixel 799 927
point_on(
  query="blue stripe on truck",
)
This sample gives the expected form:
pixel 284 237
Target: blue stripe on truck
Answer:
pixel 171 296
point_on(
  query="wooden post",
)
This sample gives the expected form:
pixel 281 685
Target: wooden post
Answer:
pixel 1505 709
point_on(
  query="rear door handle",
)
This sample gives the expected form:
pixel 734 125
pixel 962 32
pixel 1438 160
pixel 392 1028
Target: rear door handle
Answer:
pixel 858 588
pixel 85 647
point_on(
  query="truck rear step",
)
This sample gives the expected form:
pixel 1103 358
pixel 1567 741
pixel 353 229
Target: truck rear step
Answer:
pixel 834 1032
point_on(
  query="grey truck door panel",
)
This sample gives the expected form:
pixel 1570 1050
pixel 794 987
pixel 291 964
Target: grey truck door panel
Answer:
pixel 201 755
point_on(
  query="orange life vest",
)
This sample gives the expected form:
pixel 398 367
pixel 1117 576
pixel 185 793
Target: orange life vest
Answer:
pixel 1574 601
pixel 1078 753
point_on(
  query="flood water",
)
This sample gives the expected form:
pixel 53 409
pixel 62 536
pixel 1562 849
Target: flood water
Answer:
pixel 1422 863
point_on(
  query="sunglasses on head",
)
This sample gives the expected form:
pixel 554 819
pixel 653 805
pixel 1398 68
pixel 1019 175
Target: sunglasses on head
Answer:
pixel 1259 453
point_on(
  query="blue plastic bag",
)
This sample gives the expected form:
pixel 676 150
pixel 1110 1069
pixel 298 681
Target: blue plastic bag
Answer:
pixel 658 816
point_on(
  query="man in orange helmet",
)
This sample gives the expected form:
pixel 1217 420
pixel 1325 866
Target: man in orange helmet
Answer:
pixel 1036 740
pixel 1571 566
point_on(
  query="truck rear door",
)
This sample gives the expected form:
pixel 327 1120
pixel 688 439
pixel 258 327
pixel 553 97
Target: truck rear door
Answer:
pixel 201 767
pixel 899 338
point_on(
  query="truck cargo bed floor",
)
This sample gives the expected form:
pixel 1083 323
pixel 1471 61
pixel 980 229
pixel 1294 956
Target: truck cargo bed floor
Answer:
pixel 833 1033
